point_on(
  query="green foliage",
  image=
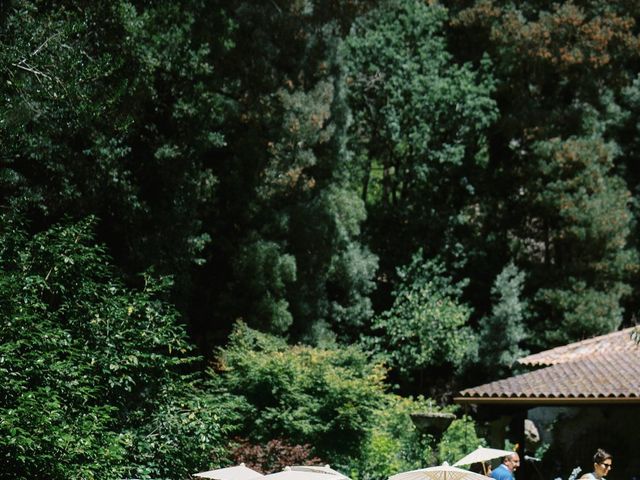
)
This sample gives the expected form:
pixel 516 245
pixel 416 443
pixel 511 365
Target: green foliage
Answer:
pixel 284 178
pixel 113 109
pixel 202 143
pixel 554 202
pixel 265 272
pixel 321 397
pixel 502 333
pixel 627 136
pixel 92 369
pixel 418 128
pixel 331 400
pixel 396 445
pixel 458 440
pixel 580 259
pixel 427 325
pixel 189 430
pixel 553 60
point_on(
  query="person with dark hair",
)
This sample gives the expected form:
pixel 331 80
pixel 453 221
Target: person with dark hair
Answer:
pixel 602 465
pixel 482 468
pixel 505 470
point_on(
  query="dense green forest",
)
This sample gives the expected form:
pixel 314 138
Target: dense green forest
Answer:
pixel 268 231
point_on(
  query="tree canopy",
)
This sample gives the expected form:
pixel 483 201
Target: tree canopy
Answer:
pixel 99 379
pixel 329 200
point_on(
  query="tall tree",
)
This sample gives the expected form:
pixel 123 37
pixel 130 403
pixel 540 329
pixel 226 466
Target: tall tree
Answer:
pixel 286 253
pixel 576 237
pixel 418 130
pixel 113 109
pixel 559 72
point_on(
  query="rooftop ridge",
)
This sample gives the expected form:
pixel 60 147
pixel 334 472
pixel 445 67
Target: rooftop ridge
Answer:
pixel 619 340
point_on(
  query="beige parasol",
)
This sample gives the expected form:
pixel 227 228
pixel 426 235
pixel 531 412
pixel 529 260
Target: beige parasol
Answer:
pixel 321 469
pixel 483 454
pixel 301 474
pixel 238 472
pixel 441 472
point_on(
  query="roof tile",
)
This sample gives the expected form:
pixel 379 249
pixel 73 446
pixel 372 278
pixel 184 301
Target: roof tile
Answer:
pixel 619 341
pixel 611 374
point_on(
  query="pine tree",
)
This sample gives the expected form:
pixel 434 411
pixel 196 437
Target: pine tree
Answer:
pixel 502 332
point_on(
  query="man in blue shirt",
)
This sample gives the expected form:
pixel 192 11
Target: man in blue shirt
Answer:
pixel 506 468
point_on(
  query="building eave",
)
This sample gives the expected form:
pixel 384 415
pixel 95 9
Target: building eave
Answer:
pixel 546 400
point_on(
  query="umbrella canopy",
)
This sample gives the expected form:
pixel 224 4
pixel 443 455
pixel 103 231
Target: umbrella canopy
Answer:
pixel 301 474
pixel 482 454
pixel 320 469
pixel 239 472
pixel 442 472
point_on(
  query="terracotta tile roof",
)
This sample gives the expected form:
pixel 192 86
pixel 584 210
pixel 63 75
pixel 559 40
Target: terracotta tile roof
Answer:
pixel 601 369
pixel 608 376
pixel 619 341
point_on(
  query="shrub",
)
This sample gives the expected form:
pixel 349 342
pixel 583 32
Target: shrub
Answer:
pixel 325 398
pixel 458 440
pixel 94 382
pixel 272 456
pixel 396 445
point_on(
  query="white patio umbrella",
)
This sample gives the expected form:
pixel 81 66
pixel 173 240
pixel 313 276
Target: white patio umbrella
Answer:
pixel 238 472
pixel 321 469
pixel 483 454
pixel 441 472
pixel 300 474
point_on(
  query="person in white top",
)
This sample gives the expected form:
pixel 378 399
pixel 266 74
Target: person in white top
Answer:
pixel 602 465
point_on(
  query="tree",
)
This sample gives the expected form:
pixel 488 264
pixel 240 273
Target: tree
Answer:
pixel 114 109
pixel 501 333
pixel 560 70
pixel 418 132
pixel 581 217
pixel 203 136
pixel 626 134
pixel 96 380
pixel 426 331
pixel 287 255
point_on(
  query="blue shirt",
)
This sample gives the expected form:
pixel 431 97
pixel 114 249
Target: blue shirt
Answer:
pixel 502 473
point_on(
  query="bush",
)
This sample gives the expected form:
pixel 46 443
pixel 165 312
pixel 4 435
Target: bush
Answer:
pixel 396 445
pixel 272 456
pixel 325 398
pixel 458 440
pixel 94 382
